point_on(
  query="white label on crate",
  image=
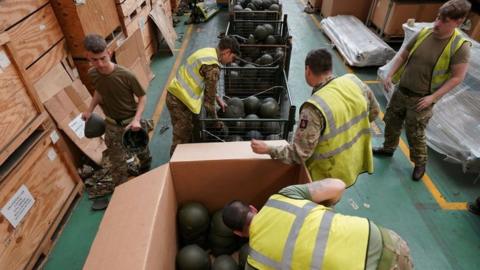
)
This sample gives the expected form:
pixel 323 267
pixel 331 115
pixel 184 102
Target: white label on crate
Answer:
pixel 52 155
pixel 78 126
pixel 4 61
pixel 42 27
pixel 18 206
pixel 80 2
pixel 141 23
pixel 54 136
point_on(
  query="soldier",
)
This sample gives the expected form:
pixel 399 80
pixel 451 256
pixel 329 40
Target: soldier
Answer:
pixel 196 82
pixel 333 136
pixel 431 65
pixel 296 229
pixel 115 90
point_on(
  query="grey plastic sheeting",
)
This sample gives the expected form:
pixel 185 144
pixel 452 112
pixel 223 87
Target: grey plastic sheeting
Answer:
pixel 454 129
pixel 358 45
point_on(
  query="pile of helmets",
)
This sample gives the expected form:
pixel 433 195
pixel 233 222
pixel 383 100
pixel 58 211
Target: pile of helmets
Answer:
pixel 205 240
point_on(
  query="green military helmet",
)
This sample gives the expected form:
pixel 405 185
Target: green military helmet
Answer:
pixel 253 134
pixel 95 126
pixel 270 127
pixel 218 227
pixel 234 108
pixel 251 104
pixel 273 137
pixel 266 4
pixel 224 262
pixel 135 140
pixel 243 255
pixel 260 32
pixel 234 138
pixel 265 60
pixel 250 72
pixel 268 99
pixel 269 109
pixel 270 40
pixel 274 7
pixel 269 28
pixel 192 257
pixel 193 218
pixel 237 8
pixel 252 123
pixel 222 241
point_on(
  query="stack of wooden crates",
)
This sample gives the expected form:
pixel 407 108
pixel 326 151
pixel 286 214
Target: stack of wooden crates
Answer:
pixel 41 63
pixel 36 166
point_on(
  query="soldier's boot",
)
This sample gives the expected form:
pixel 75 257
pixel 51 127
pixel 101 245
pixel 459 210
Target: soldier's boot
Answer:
pixel 381 151
pixel 418 172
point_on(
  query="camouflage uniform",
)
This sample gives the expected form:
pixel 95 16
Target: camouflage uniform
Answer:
pixel 312 124
pixel 116 153
pixel 402 108
pixel 181 116
pixel 396 247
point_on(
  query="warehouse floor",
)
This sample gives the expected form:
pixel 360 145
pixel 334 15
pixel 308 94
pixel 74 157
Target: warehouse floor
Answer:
pixel 429 214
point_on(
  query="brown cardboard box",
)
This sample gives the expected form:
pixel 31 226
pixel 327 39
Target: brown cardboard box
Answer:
pixel 139 229
pixel 316 4
pixel 357 8
pixel 389 15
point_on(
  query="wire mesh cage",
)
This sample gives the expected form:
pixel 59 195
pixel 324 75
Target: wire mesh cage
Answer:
pixel 260 37
pixel 255 10
pixel 254 111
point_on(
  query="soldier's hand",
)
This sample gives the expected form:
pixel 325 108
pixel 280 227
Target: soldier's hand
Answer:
pixel 425 102
pixel 387 84
pixel 134 125
pixel 259 147
pixel 222 104
pixel 86 115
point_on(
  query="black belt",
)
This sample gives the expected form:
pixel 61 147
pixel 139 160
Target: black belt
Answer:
pixel 122 123
pixel 407 92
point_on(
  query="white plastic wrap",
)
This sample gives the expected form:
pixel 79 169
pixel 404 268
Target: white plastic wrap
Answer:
pixel 358 45
pixel 454 129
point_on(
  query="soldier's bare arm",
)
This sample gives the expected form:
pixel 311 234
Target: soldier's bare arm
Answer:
pixel 327 191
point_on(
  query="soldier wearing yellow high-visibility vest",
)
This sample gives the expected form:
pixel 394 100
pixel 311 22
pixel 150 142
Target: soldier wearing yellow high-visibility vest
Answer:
pixel 296 229
pixel 195 85
pixel 333 136
pixel 433 63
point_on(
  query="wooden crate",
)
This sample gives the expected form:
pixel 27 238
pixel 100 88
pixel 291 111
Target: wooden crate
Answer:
pixel 474 21
pixel 94 16
pixel 20 107
pixel 137 19
pixel 12 11
pixel 358 8
pixel 45 169
pixel 35 35
pixel 83 66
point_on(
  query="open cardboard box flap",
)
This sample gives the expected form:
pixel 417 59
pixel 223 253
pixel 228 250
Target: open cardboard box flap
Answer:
pixel 139 230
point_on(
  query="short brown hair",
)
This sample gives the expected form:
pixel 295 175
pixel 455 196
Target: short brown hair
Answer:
pixel 454 9
pixel 319 61
pixel 94 43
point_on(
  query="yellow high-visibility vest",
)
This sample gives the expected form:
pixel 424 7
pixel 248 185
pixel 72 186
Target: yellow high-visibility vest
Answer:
pixel 188 85
pixel 441 72
pixel 344 149
pixel 299 234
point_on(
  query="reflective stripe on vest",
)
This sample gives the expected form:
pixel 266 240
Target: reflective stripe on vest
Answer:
pixel 344 149
pixel 188 85
pixel 441 71
pixel 292 249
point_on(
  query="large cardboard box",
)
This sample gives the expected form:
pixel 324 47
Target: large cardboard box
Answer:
pixel 358 8
pixel 139 229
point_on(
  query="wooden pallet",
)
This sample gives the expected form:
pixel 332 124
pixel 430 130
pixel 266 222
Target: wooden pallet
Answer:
pixel 43 165
pixel 22 112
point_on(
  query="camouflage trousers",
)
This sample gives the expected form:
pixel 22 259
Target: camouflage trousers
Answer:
pixel 116 153
pixel 395 254
pixel 182 121
pixel 400 110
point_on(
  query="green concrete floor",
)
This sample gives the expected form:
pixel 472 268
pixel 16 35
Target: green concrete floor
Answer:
pixel 438 238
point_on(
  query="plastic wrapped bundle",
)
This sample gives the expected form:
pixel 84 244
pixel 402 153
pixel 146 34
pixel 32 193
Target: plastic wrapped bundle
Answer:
pixel 455 126
pixel 358 45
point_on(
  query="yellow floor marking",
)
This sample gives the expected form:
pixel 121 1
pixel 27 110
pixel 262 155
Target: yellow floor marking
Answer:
pixel 372 82
pixel 161 103
pixel 427 181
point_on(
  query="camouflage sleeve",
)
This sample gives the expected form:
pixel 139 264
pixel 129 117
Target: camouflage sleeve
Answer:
pixel 306 138
pixel 372 103
pixel 211 75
